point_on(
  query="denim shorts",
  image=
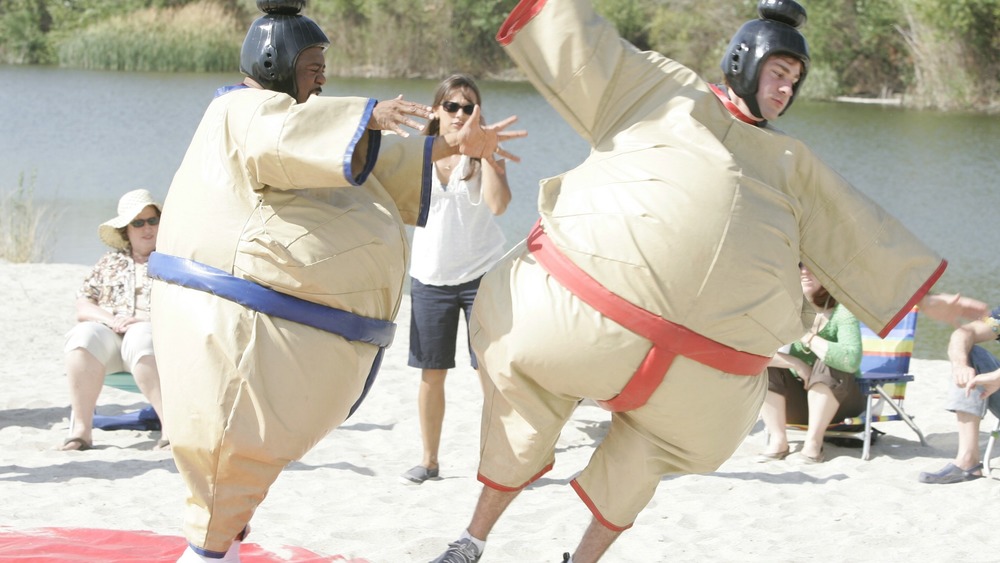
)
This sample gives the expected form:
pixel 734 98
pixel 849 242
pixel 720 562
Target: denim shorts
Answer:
pixel 983 362
pixel 434 314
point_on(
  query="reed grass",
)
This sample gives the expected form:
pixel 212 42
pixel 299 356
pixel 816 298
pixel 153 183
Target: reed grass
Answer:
pixel 26 228
pixel 202 37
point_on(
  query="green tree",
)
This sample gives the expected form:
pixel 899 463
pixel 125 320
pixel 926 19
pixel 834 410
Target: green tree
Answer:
pixel 631 18
pixel 696 32
pixel 954 49
pixel 940 53
pixel 857 45
pixel 23 26
pixel 476 23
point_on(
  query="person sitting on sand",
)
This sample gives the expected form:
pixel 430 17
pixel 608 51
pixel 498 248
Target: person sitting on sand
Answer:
pixel 114 332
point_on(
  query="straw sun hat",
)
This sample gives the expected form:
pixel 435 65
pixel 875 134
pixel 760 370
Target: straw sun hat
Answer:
pixel 129 206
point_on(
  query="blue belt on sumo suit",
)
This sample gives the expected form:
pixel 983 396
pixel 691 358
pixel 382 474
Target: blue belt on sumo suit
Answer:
pixel 195 275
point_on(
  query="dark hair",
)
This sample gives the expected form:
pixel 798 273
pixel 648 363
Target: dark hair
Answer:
pixel 467 85
pixel 822 298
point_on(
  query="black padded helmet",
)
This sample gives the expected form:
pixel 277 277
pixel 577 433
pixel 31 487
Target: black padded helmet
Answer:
pixel 274 42
pixel 775 32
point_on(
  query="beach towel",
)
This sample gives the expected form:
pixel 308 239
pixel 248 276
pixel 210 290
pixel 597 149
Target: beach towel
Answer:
pixel 87 545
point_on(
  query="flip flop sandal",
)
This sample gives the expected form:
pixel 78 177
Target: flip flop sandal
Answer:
pixel 82 445
pixel 819 458
pixel 776 456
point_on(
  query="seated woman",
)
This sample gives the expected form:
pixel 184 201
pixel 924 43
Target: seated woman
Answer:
pixel 114 333
pixel 813 382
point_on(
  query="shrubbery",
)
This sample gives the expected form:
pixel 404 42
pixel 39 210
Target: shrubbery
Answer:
pixel 940 53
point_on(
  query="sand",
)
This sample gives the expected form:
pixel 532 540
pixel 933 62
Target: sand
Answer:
pixel 344 498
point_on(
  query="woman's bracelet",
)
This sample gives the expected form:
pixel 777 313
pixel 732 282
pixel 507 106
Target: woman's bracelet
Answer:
pixel 807 345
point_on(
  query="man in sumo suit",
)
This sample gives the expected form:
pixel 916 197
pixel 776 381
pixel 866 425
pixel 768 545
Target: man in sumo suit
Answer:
pixel 280 267
pixel 663 273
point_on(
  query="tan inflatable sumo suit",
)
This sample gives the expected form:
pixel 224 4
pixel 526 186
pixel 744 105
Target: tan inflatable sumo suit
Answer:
pixel 666 261
pixel 290 197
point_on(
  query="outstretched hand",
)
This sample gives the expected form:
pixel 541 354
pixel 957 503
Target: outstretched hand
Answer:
pixel 483 141
pixel 953 309
pixel 392 115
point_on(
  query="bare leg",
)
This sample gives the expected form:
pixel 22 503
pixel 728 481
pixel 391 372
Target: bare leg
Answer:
pixel 492 504
pixel 431 406
pixel 968 440
pixel 822 406
pixel 147 378
pixel 596 540
pixel 773 414
pixel 86 376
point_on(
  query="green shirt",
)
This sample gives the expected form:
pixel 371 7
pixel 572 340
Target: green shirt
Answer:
pixel 844 335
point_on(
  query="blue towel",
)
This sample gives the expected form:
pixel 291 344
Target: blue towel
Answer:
pixel 144 419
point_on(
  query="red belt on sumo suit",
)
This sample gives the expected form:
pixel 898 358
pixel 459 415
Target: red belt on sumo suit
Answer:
pixel 669 339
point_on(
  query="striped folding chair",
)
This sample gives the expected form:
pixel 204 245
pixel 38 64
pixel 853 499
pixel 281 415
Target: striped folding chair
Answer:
pixel 885 365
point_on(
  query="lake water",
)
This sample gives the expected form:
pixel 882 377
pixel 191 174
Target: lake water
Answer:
pixel 82 138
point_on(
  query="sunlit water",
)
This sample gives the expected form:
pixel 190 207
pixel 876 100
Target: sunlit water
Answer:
pixel 82 138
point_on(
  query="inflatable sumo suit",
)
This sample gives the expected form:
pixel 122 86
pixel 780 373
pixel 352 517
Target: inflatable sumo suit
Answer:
pixel 280 266
pixel 663 273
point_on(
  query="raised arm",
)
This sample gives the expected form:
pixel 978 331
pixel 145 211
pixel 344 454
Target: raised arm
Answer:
pixel 478 141
pixel 952 309
pixel 597 81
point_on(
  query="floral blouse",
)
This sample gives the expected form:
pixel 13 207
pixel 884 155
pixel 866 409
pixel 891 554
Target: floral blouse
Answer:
pixel 112 285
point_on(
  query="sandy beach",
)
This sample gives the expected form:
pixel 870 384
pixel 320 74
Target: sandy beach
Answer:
pixel 344 498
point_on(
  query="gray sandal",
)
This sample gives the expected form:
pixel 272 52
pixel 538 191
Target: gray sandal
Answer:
pixel 951 473
pixel 418 475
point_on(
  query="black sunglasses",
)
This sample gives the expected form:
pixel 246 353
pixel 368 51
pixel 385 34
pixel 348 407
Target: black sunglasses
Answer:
pixel 140 223
pixel 452 107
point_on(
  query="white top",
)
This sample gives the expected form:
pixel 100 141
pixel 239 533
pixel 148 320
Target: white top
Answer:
pixel 461 240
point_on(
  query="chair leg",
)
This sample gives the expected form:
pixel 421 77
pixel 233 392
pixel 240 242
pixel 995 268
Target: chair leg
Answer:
pixel 989 449
pixel 866 449
pixel 906 418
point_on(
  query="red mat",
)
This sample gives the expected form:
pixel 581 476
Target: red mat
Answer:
pixel 85 545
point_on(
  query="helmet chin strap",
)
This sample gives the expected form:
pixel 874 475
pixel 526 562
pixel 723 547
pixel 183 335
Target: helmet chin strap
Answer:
pixel 722 93
pixel 753 106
